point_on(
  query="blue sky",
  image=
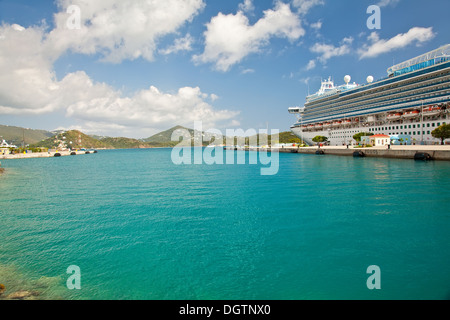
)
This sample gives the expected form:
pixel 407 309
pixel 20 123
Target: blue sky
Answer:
pixel 133 68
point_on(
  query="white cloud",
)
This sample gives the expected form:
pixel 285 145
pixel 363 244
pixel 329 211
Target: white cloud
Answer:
pixel 27 81
pixel 379 46
pixel 311 65
pixel 247 6
pixel 316 26
pixel 385 3
pixel 181 44
pixel 230 38
pixel 146 108
pixel 328 51
pixel 28 85
pixel 304 6
pixel 247 71
pixel 121 29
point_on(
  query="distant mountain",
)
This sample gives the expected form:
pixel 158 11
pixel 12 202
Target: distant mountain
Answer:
pixel 16 135
pixel 79 140
pixel 165 137
pixel 52 140
pixel 124 143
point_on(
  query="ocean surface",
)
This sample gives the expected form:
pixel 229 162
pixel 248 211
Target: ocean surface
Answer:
pixel 140 227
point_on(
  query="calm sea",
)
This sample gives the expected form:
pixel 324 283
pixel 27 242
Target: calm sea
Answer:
pixel 140 227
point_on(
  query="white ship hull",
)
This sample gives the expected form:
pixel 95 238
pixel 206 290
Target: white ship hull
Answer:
pixel 411 102
pixel 344 135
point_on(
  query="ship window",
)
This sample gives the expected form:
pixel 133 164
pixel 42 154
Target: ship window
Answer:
pixel 428 132
pixel 433 124
pixel 439 124
pixel 401 127
pixel 414 133
pixel 409 127
pixel 414 126
pixel 428 125
pixel 396 127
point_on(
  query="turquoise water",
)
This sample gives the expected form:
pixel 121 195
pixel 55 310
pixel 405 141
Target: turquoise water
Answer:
pixel 140 227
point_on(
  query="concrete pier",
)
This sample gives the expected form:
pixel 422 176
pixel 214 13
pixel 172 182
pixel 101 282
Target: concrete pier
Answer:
pixel 396 152
pixel 40 155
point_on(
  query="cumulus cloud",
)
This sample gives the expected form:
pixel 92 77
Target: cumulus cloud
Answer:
pixel 121 29
pixel 379 46
pixel 149 107
pixel 230 38
pixel 28 85
pixel 27 81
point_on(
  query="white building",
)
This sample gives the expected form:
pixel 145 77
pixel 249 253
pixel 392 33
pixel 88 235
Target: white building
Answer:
pixel 380 140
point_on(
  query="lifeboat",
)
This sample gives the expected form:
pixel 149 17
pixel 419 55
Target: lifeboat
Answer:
pixel 411 114
pixel 318 126
pixel 347 122
pixel 394 116
pixel 327 125
pixel 432 111
pixel 337 123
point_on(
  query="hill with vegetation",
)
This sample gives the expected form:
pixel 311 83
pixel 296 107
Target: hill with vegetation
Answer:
pixel 165 138
pixel 74 139
pixel 16 135
pixel 264 139
pixel 124 143
pixel 77 140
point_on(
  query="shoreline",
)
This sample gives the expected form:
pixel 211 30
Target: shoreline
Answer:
pixel 441 153
pixel 41 155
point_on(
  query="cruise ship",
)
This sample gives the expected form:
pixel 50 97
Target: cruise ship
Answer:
pixel 413 100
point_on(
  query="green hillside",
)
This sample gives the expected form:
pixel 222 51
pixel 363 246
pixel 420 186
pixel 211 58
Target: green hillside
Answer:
pixel 166 136
pixel 289 137
pixel 79 140
pixel 15 135
pixel 124 143
pixel 260 139
pixel 164 139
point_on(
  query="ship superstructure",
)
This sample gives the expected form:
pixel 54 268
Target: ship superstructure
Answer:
pixel 412 100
